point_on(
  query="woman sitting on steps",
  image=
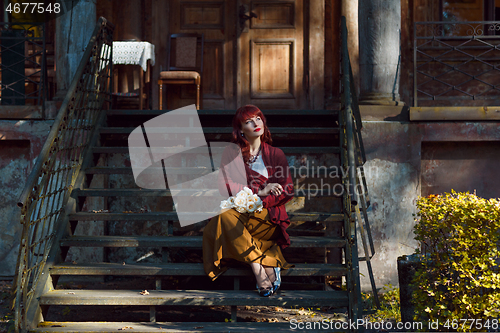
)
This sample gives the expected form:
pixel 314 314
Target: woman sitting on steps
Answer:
pixel 255 238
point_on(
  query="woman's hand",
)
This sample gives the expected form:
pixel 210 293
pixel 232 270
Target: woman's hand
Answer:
pixel 271 188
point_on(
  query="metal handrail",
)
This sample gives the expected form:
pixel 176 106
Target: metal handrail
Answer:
pixel 44 201
pixel 348 163
pixel 352 159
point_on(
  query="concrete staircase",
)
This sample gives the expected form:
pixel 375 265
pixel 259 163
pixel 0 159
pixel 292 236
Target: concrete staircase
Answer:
pixel 320 244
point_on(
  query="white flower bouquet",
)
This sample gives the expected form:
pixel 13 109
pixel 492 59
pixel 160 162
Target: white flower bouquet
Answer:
pixel 244 202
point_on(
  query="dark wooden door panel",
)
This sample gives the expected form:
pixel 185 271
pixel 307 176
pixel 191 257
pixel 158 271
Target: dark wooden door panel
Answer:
pixel 271 48
pixel 216 20
pixel 272 74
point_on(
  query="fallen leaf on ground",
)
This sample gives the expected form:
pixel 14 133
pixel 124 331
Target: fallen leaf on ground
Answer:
pixel 278 309
pixel 144 292
pixel 272 320
pixel 126 327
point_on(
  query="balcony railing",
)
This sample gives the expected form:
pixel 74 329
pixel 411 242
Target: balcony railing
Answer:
pixel 456 63
pixel 23 69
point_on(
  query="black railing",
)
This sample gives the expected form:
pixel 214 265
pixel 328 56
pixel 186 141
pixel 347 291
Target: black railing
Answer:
pixel 45 200
pixel 23 70
pixel 356 200
pixel 456 63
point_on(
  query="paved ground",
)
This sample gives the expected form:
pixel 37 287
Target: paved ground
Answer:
pixel 6 316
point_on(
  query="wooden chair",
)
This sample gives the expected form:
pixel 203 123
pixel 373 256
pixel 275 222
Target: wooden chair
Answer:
pixel 185 63
pixel 132 99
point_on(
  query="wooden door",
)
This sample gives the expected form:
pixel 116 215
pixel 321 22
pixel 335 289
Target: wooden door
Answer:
pixel 274 60
pixel 217 21
pixel 271 63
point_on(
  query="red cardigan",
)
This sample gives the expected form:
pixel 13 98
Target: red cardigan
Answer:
pixel 278 172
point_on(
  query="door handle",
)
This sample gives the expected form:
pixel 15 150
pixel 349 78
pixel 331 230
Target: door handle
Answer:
pixel 244 17
pixel 247 17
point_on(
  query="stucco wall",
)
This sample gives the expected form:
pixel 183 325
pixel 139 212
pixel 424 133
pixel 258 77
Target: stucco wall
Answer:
pixel 20 143
pixel 394 179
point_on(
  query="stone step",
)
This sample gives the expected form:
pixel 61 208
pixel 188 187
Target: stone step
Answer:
pixel 221 130
pixel 172 216
pixel 190 269
pixel 331 191
pixel 226 112
pixel 331 172
pixel 286 150
pixel 286 298
pixel 169 170
pixel 183 241
pixel 198 327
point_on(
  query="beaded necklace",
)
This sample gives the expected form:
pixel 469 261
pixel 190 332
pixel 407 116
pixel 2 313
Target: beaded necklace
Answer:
pixel 253 158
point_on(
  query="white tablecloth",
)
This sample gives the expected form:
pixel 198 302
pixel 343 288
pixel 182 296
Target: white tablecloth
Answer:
pixel 133 53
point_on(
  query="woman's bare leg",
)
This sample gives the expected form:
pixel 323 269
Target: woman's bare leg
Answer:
pixel 261 275
pixel 270 273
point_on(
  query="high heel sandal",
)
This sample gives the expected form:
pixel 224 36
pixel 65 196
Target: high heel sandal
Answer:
pixel 277 282
pixel 266 292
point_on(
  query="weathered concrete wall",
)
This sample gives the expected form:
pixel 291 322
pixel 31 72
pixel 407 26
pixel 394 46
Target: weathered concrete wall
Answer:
pixel 20 143
pixel 379 51
pixel 73 32
pixel 475 164
pixel 455 155
pixel 392 172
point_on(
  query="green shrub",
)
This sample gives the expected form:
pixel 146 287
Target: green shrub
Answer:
pixel 390 307
pixel 458 279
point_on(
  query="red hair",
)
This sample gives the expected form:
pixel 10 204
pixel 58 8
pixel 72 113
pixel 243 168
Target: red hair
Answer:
pixel 242 114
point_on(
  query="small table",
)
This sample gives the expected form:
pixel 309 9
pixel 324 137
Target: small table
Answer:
pixel 135 53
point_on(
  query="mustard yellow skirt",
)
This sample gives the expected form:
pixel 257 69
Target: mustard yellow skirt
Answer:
pixel 245 237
